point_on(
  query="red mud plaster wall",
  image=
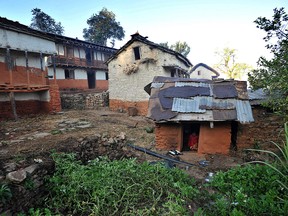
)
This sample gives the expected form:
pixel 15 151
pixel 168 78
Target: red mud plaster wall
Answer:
pixel 20 75
pixel 102 85
pixel 215 140
pixel 141 106
pixel 168 136
pixel 54 104
pixel 72 84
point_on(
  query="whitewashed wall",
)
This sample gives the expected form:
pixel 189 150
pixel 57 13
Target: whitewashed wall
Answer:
pixel 20 41
pixel 204 73
pixel 24 96
pixel 131 87
pixel 100 75
pixel 80 74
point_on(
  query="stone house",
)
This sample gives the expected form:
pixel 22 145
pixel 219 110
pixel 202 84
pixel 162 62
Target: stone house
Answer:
pixel 212 109
pixel 79 65
pixel 24 86
pixel 134 65
pixel 203 71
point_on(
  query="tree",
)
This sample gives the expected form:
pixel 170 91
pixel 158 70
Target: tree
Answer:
pixel 228 65
pixel 43 22
pixel 180 47
pixel 103 26
pixel 272 74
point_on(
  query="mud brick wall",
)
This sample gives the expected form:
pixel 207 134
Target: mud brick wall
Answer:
pixel 55 101
pixel 81 101
pixel 168 136
pixel 141 106
pixel 267 127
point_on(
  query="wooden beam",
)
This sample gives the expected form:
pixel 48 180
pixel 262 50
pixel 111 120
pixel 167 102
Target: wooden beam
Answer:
pixel 27 68
pixel 13 105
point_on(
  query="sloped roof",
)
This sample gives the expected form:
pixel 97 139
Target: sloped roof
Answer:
pixel 138 37
pixel 179 99
pixel 205 66
pixel 18 27
pixel 257 97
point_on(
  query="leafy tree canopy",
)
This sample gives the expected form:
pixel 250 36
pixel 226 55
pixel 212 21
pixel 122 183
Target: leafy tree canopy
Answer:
pixel 103 26
pixel 272 74
pixel 228 65
pixel 43 22
pixel 180 47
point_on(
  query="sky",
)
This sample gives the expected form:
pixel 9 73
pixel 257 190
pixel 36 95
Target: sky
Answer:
pixel 206 26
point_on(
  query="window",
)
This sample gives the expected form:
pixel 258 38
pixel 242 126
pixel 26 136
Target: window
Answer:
pixel 137 53
pixel 70 52
pixel 199 73
pixel 69 74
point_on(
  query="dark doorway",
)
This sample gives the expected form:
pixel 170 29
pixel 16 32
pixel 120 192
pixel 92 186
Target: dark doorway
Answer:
pixel 234 130
pixel 91 79
pixel 188 129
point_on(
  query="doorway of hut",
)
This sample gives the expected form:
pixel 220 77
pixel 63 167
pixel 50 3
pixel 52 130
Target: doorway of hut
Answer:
pixel 188 129
pixel 91 79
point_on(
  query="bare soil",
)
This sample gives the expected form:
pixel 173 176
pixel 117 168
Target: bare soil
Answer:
pixel 40 134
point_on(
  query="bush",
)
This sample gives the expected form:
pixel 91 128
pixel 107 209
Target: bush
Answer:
pixel 120 187
pixel 248 190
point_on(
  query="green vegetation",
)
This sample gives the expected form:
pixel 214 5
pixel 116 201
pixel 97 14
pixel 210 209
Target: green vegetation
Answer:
pixel 228 65
pixel 272 74
pixel 121 187
pixel 5 193
pixel 103 26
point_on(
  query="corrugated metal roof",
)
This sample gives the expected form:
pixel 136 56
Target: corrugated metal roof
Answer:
pixel 157 85
pixel 187 105
pixel 195 84
pixel 182 100
pixel 244 111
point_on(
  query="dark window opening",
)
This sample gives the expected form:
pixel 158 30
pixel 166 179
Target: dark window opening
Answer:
pixel 199 73
pixel 69 74
pixel 137 53
pixel 91 79
pixel 172 74
pixel 107 76
pixel 70 52
pixel 190 129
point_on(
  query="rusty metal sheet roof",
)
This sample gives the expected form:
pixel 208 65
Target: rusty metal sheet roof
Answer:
pixel 224 115
pixel 224 91
pixel 196 101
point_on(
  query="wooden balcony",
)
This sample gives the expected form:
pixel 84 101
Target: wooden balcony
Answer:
pixel 63 61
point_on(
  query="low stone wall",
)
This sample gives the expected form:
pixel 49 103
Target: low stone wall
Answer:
pixel 84 100
pixel 26 178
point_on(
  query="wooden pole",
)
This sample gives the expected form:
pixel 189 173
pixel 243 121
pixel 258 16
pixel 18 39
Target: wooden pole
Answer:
pixel 13 105
pixel 27 69
pixel 9 66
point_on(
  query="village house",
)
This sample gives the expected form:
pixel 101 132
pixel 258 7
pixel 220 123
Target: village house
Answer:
pixel 24 84
pixel 203 71
pixel 134 66
pixel 79 65
pixel 210 109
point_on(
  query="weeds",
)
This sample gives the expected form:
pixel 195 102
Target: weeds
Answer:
pixel 5 193
pixel 121 187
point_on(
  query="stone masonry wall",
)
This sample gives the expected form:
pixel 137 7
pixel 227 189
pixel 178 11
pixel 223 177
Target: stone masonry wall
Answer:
pixel 81 101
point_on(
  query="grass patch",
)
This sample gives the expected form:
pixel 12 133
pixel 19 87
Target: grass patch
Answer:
pixel 119 187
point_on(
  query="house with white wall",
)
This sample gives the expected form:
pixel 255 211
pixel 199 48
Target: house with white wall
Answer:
pixel 79 65
pixel 24 86
pixel 134 66
pixel 203 71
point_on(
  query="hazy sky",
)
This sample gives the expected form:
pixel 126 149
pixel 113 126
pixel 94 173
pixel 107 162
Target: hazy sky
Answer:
pixel 206 25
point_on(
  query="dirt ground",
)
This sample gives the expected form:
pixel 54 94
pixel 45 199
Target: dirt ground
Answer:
pixel 39 134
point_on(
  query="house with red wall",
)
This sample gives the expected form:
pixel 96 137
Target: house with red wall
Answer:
pixel 24 84
pixel 212 109
pixel 79 65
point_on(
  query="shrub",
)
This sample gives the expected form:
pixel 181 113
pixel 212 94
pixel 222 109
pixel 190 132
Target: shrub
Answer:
pixel 118 187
